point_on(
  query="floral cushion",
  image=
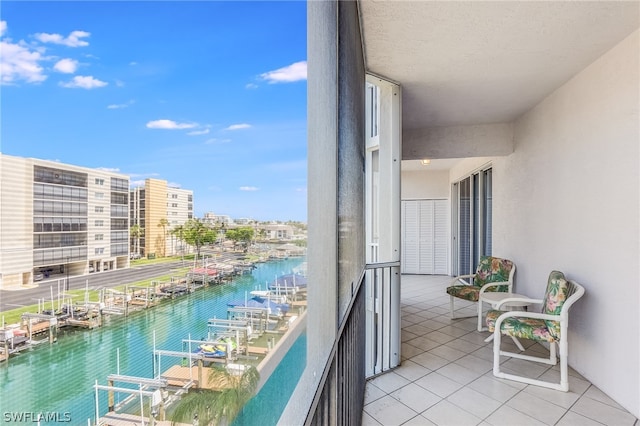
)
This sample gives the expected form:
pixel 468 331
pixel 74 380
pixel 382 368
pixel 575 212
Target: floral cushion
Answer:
pixel 555 296
pixel 467 292
pixel 493 269
pixel 524 328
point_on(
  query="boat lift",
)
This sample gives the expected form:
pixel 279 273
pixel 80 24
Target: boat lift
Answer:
pixel 257 318
pixel 231 328
pixel 150 388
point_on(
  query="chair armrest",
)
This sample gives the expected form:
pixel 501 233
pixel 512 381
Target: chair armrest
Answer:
pixel 488 285
pixel 460 277
pixel 518 299
pixel 524 314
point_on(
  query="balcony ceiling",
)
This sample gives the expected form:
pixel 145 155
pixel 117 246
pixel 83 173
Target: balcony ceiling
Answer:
pixel 464 63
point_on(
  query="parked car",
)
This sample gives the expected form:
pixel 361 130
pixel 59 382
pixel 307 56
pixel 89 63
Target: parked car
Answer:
pixel 38 276
pixel 134 256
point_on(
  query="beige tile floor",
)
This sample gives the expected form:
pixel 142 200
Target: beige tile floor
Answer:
pixel 446 375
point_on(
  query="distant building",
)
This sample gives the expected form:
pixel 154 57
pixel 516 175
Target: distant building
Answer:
pixel 277 231
pixel 157 209
pixel 58 220
pixel 217 219
pixel 244 221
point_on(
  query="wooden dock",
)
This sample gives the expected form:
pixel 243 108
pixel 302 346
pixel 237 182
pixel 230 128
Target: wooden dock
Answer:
pixel 178 376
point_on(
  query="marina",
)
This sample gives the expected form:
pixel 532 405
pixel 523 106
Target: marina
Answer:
pixel 153 343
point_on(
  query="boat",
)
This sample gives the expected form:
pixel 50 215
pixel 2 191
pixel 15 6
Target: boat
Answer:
pixel 268 294
pixel 217 348
pixel 273 307
pixel 289 281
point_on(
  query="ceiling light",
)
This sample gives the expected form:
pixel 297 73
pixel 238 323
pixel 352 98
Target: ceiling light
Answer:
pixel 425 162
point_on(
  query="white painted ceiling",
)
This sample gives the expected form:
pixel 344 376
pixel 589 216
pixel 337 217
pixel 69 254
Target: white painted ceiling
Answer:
pixel 477 62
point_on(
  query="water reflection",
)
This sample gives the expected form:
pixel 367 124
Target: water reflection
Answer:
pixel 59 377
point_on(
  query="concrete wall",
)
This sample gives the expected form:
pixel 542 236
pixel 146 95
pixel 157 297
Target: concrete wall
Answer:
pixel 567 199
pixel 16 221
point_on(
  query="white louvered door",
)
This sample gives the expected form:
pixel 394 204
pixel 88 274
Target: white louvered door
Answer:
pixel 424 237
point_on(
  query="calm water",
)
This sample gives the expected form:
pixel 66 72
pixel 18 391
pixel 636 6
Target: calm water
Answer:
pixel 59 377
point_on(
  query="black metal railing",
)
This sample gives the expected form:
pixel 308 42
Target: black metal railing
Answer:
pixel 340 395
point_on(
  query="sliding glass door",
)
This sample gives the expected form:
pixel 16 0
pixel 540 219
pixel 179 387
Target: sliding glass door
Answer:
pixel 472 204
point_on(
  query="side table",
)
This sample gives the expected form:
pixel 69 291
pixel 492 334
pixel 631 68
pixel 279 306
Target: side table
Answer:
pixel 495 298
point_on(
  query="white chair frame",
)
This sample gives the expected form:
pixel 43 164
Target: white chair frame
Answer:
pixel 576 291
pixel 460 280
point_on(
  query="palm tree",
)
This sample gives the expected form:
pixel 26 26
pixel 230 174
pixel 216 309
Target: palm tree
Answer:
pixel 210 407
pixel 136 232
pixel 164 222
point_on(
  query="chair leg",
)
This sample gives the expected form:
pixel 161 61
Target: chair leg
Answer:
pixel 518 344
pixel 452 310
pixel 564 374
pixel 480 327
pixel 564 377
pixel 451 306
pixel 496 353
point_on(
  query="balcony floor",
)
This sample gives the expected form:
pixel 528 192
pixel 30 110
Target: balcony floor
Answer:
pixel 446 375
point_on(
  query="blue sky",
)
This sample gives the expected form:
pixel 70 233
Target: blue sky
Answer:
pixel 209 96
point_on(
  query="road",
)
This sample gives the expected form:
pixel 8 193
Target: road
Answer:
pixel 18 298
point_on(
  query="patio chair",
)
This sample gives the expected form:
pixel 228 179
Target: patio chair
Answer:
pixel 492 274
pixel 549 326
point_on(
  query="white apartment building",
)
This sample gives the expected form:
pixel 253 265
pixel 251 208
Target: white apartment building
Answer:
pixel 217 219
pixel 59 220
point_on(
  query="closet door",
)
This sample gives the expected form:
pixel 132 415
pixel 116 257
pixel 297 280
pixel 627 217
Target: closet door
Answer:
pixel 424 237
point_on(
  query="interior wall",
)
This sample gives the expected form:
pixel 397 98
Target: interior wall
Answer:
pixel 567 199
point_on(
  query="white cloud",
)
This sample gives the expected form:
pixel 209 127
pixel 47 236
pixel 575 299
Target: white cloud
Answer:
pixel 238 126
pixel 169 124
pixel 118 106
pixel 66 66
pixel 3 27
pixel 251 86
pixel 198 132
pixel 83 82
pixel 136 183
pixel 294 72
pixel 133 63
pixel 18 63
pixel 72 40
pixel 248 188
pixel 119 83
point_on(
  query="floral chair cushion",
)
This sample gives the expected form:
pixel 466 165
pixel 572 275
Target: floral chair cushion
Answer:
pixel 467 292
pixel 524 328
pixel 554 297
pixel 490 270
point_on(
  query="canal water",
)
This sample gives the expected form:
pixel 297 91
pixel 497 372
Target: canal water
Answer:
pixel 59 377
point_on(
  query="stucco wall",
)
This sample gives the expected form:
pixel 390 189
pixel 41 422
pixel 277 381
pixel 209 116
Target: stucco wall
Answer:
pixel 417 185
pixel 567 199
